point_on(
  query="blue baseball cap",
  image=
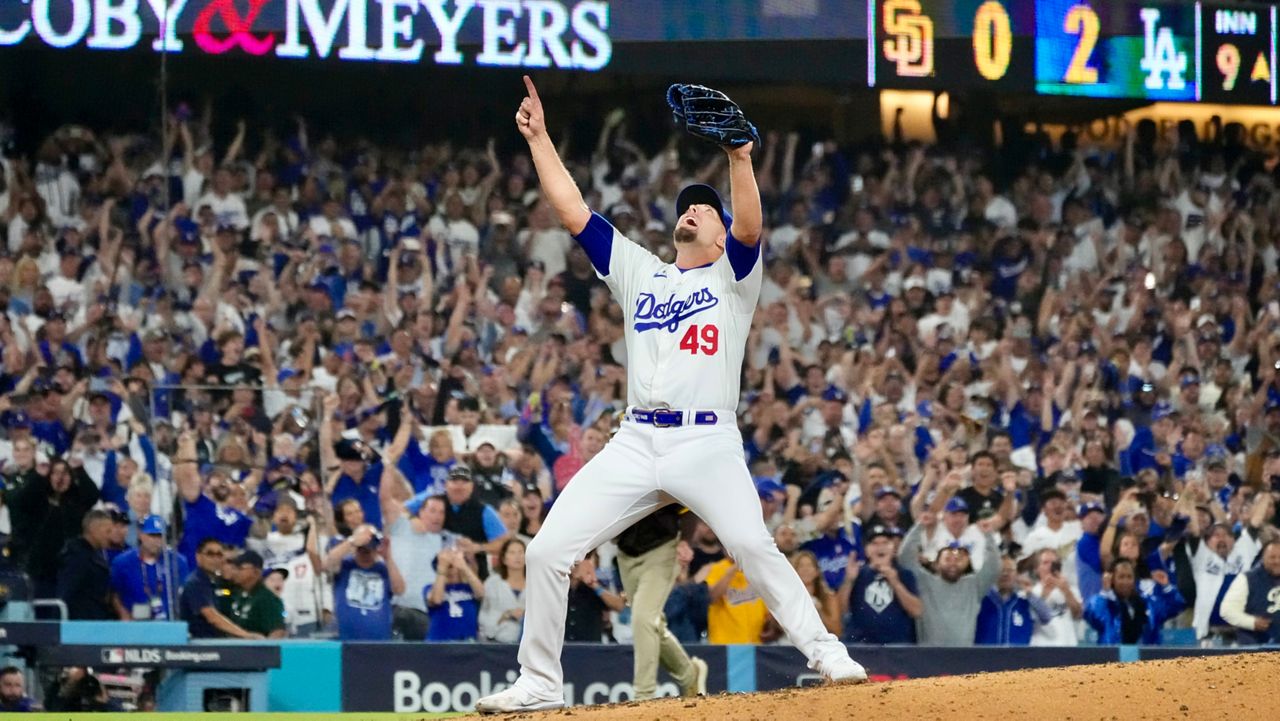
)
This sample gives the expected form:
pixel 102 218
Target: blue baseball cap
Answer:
pixel 883 491
pixel 702 194
pixel 1161 410
pixel 768 488
pixel 834 394
pixel 1087 508
pixel 957 505
pixel 153 525
pixel 17 419
pixel 415 504
pixel 188 230
pixel 285 374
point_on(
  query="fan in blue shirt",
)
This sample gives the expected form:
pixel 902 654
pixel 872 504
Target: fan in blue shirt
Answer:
pixel 883 598
pixel 207 516
pixel 453 600
pixel 832 550
pixel 146 579
pixel 363 586
pixel 353 476
pixel 1005 618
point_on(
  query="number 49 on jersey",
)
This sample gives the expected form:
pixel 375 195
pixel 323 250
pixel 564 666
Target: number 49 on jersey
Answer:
pixel 703 339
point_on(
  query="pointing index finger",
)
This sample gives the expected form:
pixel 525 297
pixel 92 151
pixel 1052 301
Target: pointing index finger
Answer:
pixel 528 85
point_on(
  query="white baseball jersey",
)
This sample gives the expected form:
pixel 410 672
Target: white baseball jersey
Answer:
pixel 686 330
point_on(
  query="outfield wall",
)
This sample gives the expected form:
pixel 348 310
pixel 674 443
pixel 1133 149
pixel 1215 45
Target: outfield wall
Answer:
pixel 449 677
pixel 329 676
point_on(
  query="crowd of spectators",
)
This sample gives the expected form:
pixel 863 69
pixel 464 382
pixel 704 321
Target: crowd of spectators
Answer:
pixel 293 386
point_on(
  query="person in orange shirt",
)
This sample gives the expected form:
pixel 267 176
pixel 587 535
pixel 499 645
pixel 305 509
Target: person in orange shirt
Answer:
pixel 736 613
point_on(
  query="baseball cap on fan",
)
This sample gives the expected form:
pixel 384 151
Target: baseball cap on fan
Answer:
pixel 701 194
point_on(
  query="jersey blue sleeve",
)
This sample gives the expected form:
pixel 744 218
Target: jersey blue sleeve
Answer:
pixel 597 240
pixel 493 526
pixel 1142 451
pixel 742 257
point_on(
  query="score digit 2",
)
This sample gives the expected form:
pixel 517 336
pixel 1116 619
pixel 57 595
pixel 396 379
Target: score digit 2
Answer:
pixel 1083 21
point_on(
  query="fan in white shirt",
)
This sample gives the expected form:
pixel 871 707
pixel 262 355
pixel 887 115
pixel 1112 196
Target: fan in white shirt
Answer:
pixel 228 207
pixel 456 232
pixel 332 222
pixel 289 547
pixel 1061 596
pixel 544 240
pixel 1055 532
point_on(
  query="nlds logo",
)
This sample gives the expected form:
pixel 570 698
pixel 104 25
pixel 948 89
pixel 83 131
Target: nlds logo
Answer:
pixel 131 655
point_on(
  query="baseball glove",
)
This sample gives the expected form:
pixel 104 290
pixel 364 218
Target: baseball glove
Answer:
pixel 709 114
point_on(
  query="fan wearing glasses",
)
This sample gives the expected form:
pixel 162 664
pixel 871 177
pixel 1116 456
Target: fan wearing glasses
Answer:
pixel 197 602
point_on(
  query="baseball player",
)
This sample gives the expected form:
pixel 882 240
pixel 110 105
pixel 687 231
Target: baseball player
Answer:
pixel 686 330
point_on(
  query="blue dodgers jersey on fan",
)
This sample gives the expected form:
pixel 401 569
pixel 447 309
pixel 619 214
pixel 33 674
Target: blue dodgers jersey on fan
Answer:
pixel 686 330
pixel 362 602
pixel 365 492
pixel 833 554
pixel 1004 623
pixel 457 618
pixel 206 519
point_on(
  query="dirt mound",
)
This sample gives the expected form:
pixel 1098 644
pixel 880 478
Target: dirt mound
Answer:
pixel 1237 687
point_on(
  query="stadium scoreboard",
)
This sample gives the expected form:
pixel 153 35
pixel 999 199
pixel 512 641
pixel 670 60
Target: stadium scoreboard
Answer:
pixel 1177 51
pixel 1224 52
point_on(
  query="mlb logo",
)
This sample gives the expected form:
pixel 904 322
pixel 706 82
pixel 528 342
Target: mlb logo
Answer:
pixel 113 655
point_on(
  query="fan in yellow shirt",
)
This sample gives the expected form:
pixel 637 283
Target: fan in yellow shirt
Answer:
pixel 737 614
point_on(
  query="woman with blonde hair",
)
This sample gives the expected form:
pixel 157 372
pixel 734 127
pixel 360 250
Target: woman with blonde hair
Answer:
pixel 806 565
pixel 26 279
pixel 440 459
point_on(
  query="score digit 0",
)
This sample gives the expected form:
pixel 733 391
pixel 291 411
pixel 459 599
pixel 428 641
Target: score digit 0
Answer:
pixel 1229 65
pixel 992 40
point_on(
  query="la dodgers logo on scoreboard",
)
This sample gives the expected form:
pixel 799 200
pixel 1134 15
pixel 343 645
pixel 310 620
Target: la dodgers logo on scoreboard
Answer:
pixel 1165 66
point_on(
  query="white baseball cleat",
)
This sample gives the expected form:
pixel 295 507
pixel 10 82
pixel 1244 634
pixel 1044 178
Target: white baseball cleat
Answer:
pixel 840 669
pixel 699 685
pixel 515 699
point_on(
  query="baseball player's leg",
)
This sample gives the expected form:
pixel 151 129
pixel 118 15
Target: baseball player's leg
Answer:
pixel 648 579
pixel 706 471
pixel 613 491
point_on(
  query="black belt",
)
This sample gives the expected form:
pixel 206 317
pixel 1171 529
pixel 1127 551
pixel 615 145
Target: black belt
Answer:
pixel 667 418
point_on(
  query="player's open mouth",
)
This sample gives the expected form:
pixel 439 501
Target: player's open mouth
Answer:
pixel 690 221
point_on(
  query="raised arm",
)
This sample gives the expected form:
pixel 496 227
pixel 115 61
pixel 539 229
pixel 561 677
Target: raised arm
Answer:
pixel 391 490
pixel 557 183
pixel 748 218
pixel 186 475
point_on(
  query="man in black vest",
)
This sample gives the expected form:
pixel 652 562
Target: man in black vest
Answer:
pixel 1252 603
pixel 647 563
pixel 479 525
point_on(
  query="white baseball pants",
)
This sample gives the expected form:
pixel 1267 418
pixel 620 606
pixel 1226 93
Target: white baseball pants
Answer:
pixel 641 468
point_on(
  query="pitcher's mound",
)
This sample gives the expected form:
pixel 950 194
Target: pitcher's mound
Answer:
pixel 1237 687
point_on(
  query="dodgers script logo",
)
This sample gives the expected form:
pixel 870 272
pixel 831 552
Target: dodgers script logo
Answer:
pixel 671 312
